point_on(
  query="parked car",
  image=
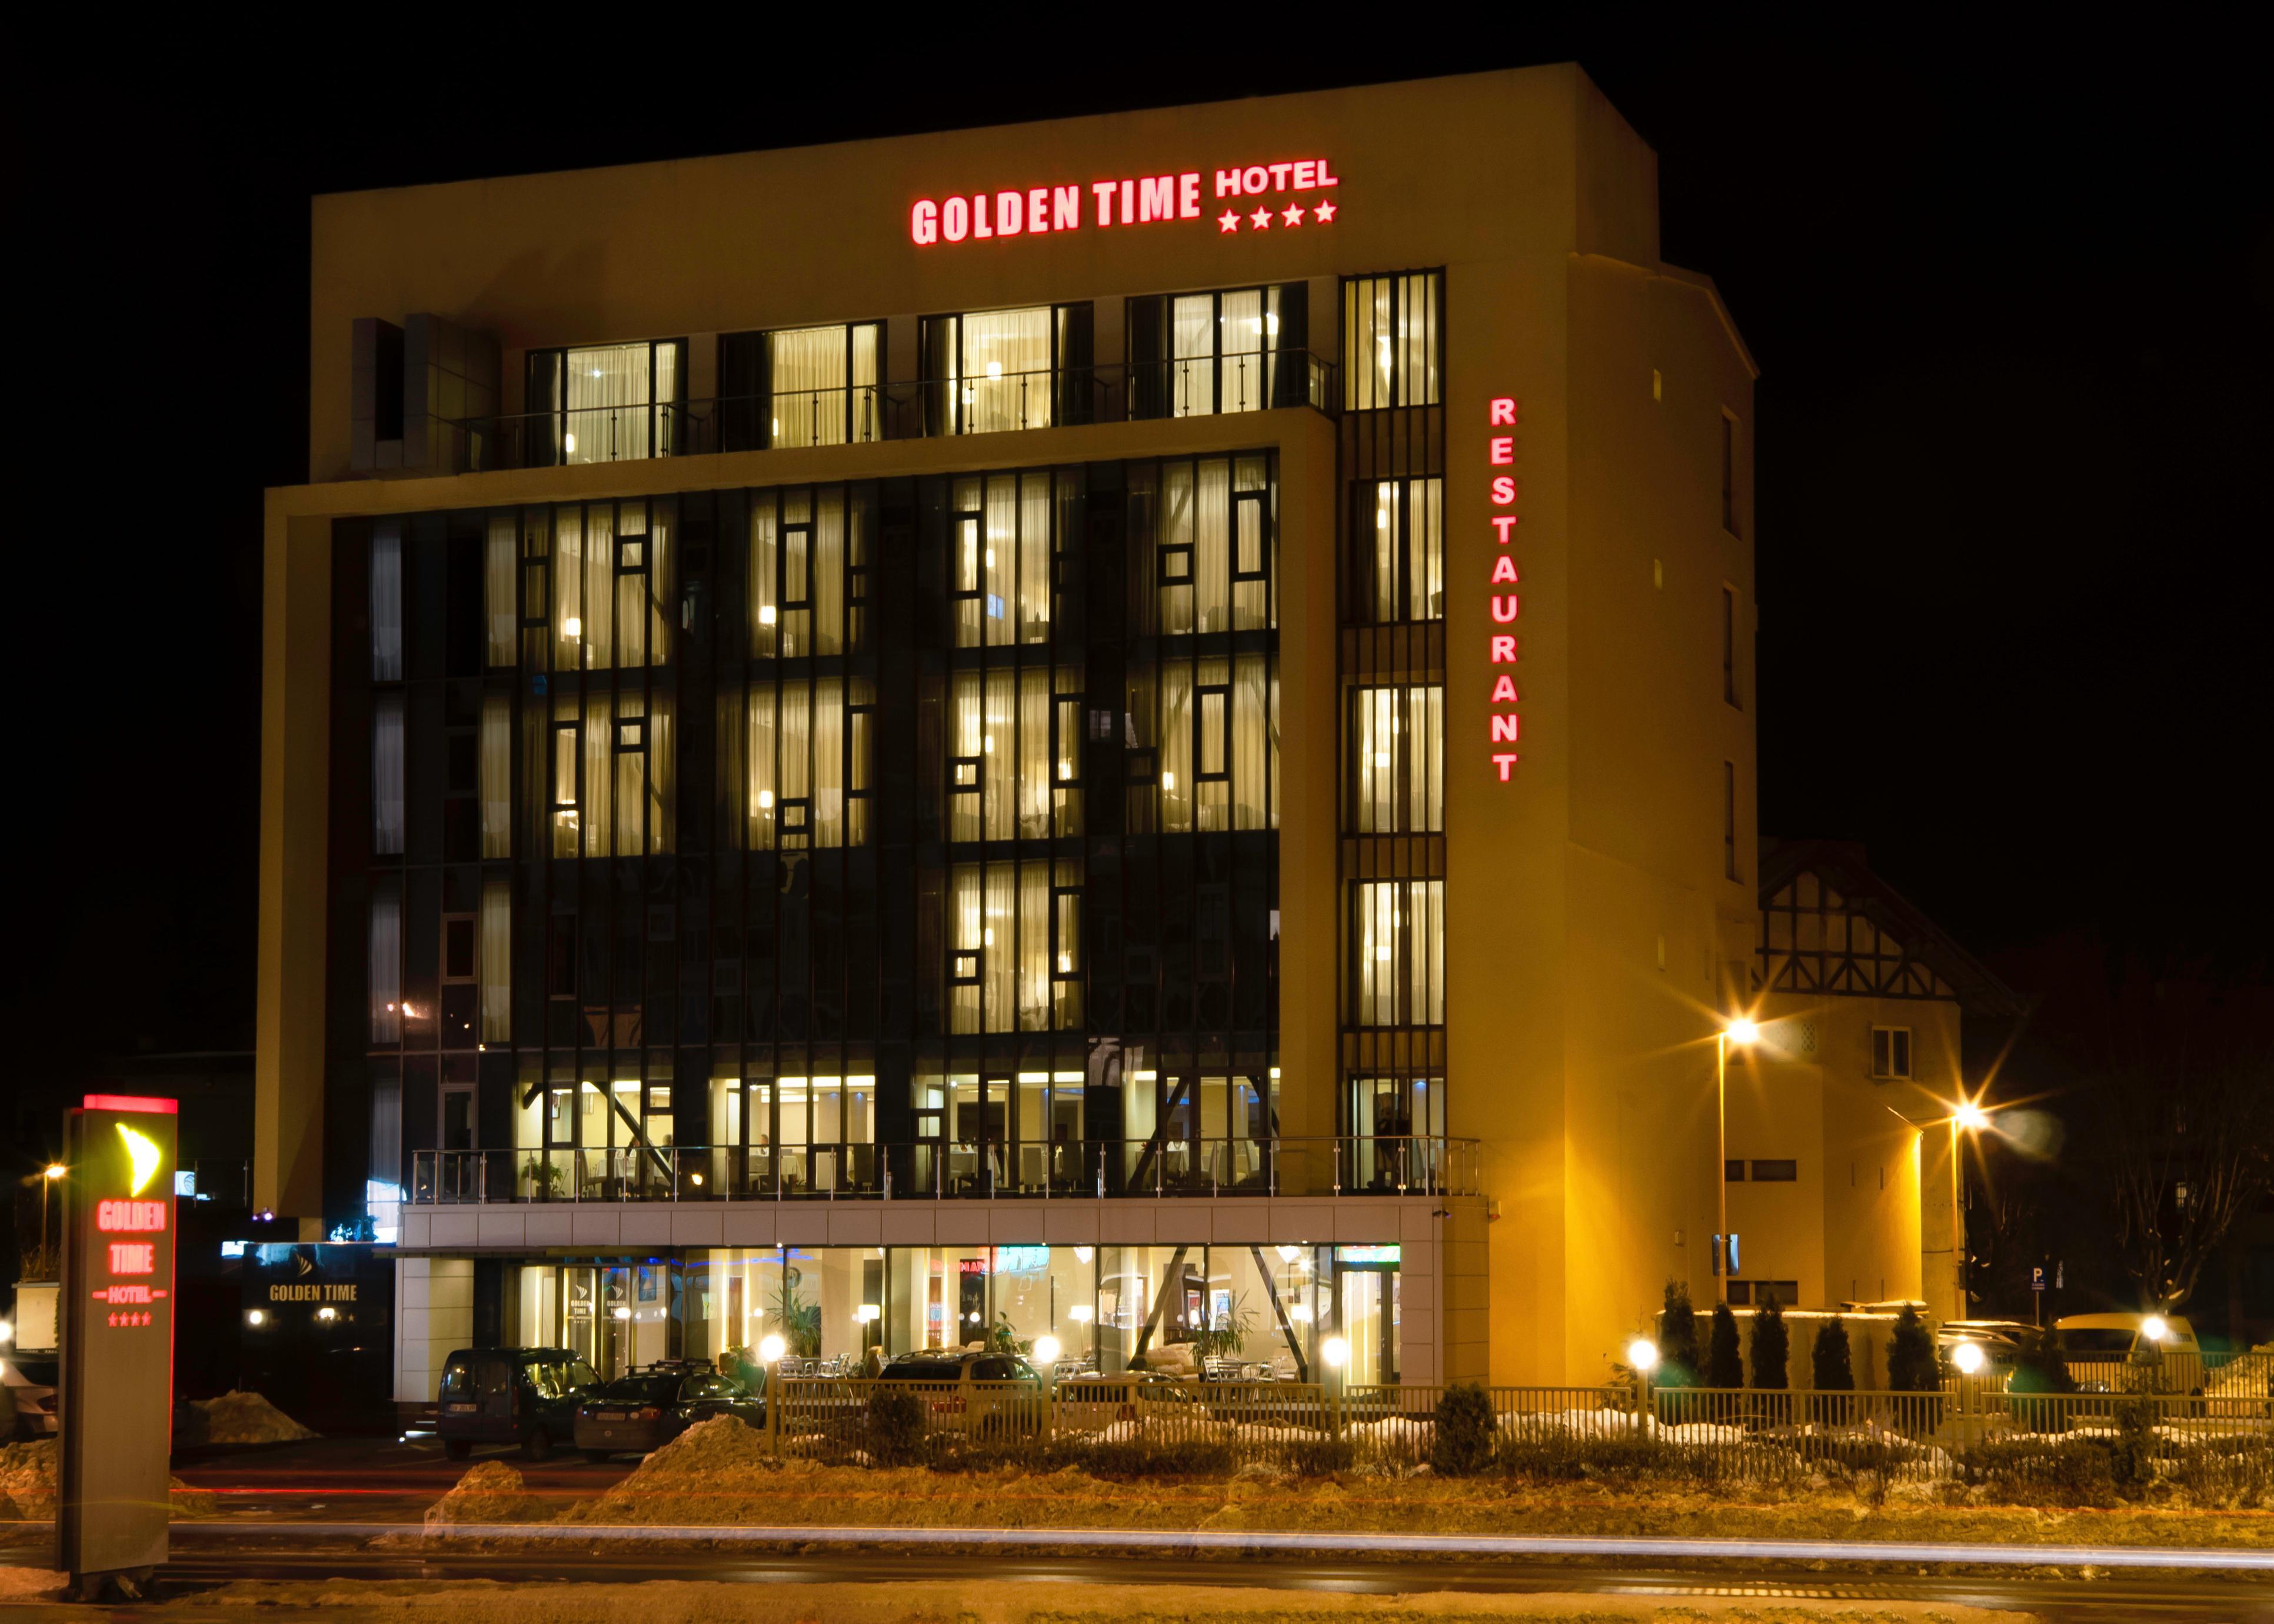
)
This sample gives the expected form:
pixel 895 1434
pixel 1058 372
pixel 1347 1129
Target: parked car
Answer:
pixel 27 1397
pixel 647 1409
pixel 1091 1403
pixel 1999 1342
pixel 973 1391
pixel 2118 1336
pixel 525 1395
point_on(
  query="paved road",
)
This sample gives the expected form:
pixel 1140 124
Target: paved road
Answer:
pixel 381 1481
pixel 2152 1600
pixel 373 1479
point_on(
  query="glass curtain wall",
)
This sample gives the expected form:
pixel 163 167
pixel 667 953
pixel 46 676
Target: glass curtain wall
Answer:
pixel 811 550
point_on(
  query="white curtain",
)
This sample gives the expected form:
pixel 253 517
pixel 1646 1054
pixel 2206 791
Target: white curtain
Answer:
pixel 1255 544
pixel 1035 796
pixel 868 422
pixel 828 761
pixel 1176 750
pixel 1001 944
pixel 1212 548
pixel 1174 568
pixel 387 812
pixel 808 366
pixel 1006 370
pixel 969 947
pixel 1034 947
pixel 599 586
pixel 496 768
pixel 501 590
pixel 1241 328
pixel 608 400
pixel 496 954
pixel 826 571
pixel 999 754
pixel 386 602
pixel 765 613
pixel 1000 560
pixel 386 968
pixel 1035 558
pixel 1253 761
pixel 967 781
pixel 569 590
pixel 797 736
pixel 765 818
pixel 1192 341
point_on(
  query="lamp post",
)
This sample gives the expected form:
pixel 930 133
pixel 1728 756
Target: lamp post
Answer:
pixel 53 1172
pixel 1973 1118
pixel 1740 1031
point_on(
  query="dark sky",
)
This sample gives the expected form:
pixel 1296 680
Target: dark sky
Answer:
pixel 2012 313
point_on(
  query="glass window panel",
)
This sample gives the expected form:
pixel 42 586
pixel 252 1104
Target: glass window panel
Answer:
pixel 501 564
pixel 386 602
pixel 1035 558
pixel 1006 370
pixel 386 771
pixel 496 775
pixel 386 965
pixel 1241 369
pixel 568 588
pixel 765 567
pixel 807 367
pixel 1034 776
pixel 1192 324
pixel 496 958
pixel 608 390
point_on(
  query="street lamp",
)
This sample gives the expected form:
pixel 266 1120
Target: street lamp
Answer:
pixel 1743 1032
pixel 1967 1115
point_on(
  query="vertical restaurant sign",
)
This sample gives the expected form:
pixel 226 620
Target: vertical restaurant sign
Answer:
pixel 1500 458
pixel 1299 189
pixel 117 1327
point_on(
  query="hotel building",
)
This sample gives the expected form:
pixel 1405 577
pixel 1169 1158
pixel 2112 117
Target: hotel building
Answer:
pixel 1139 727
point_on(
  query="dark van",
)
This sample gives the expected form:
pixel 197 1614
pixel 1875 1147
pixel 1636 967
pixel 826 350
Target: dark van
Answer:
pixel 502 1396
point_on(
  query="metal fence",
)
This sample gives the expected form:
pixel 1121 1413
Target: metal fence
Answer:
pixel 1701 1435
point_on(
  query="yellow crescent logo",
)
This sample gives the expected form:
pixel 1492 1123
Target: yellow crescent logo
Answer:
pixel 143 1153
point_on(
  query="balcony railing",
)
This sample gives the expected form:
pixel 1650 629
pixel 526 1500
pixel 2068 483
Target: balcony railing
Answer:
pixel 932 1170
pixel 979 404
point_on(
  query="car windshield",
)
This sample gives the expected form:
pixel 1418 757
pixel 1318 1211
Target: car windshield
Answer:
pixel 458 1379
pixel 640 1389
pixel 924 1370
pixel 2098 1339
pixel 558 1378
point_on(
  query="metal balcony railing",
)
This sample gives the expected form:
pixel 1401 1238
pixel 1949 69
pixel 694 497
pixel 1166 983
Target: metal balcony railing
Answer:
pixel 933 1170
pixel 924 407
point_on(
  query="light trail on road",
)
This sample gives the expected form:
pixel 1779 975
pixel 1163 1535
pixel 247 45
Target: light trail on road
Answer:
pixel 1175 1542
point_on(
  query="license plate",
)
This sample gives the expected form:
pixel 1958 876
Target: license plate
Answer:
pixel 607 1415
pixel 459 1409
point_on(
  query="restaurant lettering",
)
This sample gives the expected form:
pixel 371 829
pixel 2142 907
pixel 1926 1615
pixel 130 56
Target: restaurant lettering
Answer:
pixel 1500 452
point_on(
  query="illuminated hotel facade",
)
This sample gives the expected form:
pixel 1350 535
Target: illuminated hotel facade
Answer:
pixel 1138 728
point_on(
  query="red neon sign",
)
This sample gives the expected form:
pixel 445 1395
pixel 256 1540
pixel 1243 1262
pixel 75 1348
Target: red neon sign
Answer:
pixel 131 1102
pixel 130 1217
pixel 133 1258
pixel 1499 452
pixel 1128 200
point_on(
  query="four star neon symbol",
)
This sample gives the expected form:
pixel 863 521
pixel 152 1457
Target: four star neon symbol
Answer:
pixel 1228 221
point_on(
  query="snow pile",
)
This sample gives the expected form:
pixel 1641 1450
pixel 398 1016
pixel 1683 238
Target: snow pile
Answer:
pixel 27 1485
pixel 491 1492
pixel 235 1418
pixel 696 1477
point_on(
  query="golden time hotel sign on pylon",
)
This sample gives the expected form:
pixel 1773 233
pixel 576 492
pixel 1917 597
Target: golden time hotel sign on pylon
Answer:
pixel 117 1327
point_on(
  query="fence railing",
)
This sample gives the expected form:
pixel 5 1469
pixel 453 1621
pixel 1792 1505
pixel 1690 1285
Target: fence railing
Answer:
pixel 978 403
pixel 1702 1435
pixel 935 1170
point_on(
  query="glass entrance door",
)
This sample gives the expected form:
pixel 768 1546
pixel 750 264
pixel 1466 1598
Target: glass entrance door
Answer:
pixel 1367 1307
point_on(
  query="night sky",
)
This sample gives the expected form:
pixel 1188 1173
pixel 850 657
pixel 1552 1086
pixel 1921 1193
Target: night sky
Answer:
pixel 2012 311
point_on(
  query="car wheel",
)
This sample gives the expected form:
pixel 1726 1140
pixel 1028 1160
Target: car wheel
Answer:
pixel 538 1445
pixel 457 1449
pixel 598 1457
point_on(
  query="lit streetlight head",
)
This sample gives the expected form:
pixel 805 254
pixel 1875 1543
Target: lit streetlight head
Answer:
pixel 55 1169
pixel 1335 1351
pixel 771 1351
pixel 1971 1116
pixel 1642 1354
pixel 2154 1328
pixel 1046 1350
pixel 1743 1031
pixel 1968 1357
